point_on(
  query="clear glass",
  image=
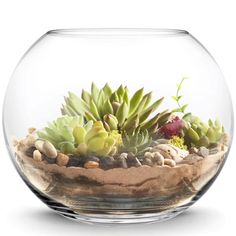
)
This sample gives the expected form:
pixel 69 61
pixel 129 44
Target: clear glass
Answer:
pixel 118 154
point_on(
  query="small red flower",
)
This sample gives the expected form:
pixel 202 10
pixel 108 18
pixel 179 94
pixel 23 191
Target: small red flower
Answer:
pixel 172 128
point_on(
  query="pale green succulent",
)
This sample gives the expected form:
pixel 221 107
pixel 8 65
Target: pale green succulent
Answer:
pixel 69 135
pixel 60 132
pixel 137 142
pixel 198 133
pixel 115 109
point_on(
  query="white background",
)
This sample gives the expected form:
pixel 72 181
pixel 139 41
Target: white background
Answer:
pixel 213 22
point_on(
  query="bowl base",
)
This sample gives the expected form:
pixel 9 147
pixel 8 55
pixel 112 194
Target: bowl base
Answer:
pixel 112 217
pixel 123 218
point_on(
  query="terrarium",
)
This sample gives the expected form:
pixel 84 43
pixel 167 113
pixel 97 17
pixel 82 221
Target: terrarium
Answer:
pixel 118 125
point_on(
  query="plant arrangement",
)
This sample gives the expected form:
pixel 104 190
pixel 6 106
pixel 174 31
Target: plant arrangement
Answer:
pixel 124 130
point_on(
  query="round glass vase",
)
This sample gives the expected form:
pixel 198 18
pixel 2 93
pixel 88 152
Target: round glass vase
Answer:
pixel 118 125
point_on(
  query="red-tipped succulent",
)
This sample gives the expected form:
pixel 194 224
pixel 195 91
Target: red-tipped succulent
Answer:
pixel 172 128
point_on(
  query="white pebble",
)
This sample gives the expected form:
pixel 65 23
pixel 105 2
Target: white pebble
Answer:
pixel 37 155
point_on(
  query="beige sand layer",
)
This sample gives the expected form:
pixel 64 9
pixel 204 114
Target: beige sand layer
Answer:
pixel 181 181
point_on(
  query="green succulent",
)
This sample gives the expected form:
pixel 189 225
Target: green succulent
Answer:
pixel 114 108
pixel 69 135
pixel 97 140
pixel 198 133
pixel 60 132
pixel 137 142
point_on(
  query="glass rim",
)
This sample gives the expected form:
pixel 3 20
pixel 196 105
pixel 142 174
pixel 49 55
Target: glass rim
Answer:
pixel 161 32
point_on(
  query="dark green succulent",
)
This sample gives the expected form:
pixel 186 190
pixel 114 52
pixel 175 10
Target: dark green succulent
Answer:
pixel 137 142
pixel 114 108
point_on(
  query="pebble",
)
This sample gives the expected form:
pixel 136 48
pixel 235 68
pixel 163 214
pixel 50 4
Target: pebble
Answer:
pixel 193 150
pixel 29 152
pixel 37 155
pixel 39 145
pixel 137 162
pixel 74 161
pixel 62 159
pixel 169 162
pixel 147 161
pixel 49 150
pixel 213 150
pixel 122 160
pixel 203 151
pixel 148 155
pixel 49 160
pixel 91 165
pixel 192 157
pixel 107 162
pixel 91 158
pixel 159 159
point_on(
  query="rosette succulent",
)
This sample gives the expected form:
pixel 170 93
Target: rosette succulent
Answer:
pixel 198 133
pixel 137 142
pixel 97 140
pixel 115 109
pixel 70 135
pixel 60 132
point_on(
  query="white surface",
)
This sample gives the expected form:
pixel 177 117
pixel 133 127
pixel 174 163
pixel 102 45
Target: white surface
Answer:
pixel 22 22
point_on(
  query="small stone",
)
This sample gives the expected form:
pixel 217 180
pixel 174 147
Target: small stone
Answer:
pixel 159 159
pixel 49 150
pixel 193 150
pixel 169 162
pixel 192 158
pixel 29 151
pixel 213 151
pixel 147 161
pixel 62 159
pixel 107 162
pixel 74 161
pixel 91 158
pixel 121 160
pixel 124 155
pixel 39 145
pixel 31 130
pixel 37 155
pixel 203 151
pixel 137 162
pixel 91 165
pixel 49 160
pixel 148 155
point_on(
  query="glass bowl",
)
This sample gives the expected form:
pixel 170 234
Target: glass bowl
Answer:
pixel 118 125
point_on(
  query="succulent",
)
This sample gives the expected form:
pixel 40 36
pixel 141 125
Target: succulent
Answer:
pixel 198 133
pixel 60 132
pixel 115 109
pixel 137 142
pixel 97 140
pixel 172 128
pixel 178 142
pixel 69 135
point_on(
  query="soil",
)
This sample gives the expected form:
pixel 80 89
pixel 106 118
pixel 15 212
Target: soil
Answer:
pixel 162 182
